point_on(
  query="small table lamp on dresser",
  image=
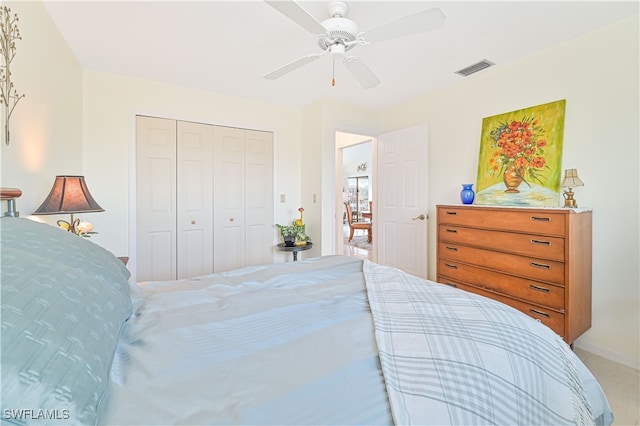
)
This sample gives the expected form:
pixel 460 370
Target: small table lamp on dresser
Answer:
pixel 571 180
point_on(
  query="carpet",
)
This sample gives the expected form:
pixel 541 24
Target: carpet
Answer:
pixel 359 241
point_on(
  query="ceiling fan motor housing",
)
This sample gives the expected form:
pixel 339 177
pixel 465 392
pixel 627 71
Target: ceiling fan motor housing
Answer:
pixel 339 30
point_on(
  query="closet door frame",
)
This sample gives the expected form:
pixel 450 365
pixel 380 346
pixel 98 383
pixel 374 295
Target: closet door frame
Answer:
pixel 254 237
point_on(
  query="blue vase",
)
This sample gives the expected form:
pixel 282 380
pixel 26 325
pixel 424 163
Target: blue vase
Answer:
pixel 467 195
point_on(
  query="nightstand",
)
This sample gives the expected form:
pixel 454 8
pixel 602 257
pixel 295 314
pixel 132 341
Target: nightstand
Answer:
pixel 295 249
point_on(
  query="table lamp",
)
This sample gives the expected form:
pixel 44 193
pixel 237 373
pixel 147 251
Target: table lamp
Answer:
pixel 69 195
pixel 571 180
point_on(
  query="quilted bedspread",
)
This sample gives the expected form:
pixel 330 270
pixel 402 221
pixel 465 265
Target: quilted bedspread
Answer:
pixel 452 357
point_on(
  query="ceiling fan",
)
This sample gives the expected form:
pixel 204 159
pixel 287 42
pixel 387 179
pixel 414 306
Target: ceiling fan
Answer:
pixel 338 34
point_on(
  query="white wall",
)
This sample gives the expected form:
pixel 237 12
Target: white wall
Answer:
pixel 321 120
pixel 598 76
pixel 82 122
pixel 46 125
pixel 110 105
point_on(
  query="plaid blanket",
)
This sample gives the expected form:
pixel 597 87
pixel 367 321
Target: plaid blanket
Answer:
pixel 452 357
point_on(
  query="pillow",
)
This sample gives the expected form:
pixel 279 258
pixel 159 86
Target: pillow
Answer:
pixel 64 301
pixel 57 244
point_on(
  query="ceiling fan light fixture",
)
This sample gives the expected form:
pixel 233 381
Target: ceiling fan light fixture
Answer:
pixel 337 51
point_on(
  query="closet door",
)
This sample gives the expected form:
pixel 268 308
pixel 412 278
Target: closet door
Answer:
pixel 259 196
pixel 204 199
pixel 155 199
pixel 228 192
pixel 194 199
pixel 243 192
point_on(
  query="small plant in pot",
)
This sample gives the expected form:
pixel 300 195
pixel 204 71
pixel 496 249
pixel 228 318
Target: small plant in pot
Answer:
pixel 294 234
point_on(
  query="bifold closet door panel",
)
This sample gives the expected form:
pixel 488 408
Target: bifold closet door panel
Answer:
pixel 259 198
pixel 194 199
pixel 229 193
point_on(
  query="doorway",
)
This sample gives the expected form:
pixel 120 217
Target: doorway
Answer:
pixel 354 186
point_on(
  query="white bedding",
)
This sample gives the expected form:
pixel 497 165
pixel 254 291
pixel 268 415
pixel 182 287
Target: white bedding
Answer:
pixel 280 344
pixel 289 343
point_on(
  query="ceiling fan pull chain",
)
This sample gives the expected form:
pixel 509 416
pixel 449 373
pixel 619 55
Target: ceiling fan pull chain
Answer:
pixel 333 74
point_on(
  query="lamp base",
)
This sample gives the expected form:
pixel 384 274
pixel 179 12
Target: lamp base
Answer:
pixel 569 201
pixel 69 226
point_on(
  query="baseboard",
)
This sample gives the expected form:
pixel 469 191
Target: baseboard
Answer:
pixel 608 354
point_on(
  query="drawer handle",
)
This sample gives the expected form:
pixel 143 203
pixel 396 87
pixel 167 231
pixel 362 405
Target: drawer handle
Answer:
pixel 536 288
pixel 540 242
pixel 540 313
pixel 453 231
pixel 452 248
pixel 540 265
pixel 451 285
pixel 448 265
pixel 540 219
pixel 452 213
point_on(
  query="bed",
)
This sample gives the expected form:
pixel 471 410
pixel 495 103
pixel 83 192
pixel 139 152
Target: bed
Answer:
pixel 327 340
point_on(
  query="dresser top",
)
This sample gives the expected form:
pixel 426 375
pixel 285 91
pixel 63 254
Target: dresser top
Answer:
pixel 487 206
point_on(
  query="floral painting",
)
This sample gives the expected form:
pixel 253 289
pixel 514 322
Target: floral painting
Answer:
pixel 521 157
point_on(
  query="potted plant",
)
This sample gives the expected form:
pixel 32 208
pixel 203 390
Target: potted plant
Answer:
pixel 294 234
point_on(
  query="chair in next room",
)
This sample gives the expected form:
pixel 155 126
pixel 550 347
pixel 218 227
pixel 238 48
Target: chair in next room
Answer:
pixel 358 225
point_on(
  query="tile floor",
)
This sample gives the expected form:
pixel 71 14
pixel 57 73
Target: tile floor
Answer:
pixel 350 250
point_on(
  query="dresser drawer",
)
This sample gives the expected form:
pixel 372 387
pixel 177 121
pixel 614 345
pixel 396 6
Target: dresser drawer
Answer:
pixel 551 319
pixel 532 222
pixel 529 267
pixel 519 288
pixel 524 244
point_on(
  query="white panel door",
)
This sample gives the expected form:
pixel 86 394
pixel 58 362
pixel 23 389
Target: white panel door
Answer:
pixel 205 198
pixel 401 227
pixel 260 231
pixel 155 199
pixel 228 192
pixel 194 199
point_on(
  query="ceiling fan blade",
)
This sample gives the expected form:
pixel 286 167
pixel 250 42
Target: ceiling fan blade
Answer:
pixel 427 20
pixel 297 14
pixel 294 65
pixel 361 72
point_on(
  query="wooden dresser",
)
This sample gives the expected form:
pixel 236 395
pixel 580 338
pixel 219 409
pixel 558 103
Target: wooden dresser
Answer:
pixel 537 260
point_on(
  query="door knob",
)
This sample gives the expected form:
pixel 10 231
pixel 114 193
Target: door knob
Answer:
pixel 193 222
pixel 421 217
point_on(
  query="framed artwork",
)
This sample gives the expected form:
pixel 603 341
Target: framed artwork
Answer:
pixel 520 161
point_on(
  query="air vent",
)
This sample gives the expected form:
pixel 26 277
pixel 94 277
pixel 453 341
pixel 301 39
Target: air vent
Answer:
pixel 475 68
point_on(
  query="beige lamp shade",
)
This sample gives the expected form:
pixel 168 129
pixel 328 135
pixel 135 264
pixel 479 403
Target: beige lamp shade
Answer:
pixel 69 195
pixel 571 179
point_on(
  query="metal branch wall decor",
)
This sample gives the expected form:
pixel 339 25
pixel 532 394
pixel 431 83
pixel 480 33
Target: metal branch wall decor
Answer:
pixel 9 95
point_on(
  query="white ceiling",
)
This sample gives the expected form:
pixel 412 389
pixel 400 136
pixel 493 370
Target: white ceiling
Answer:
pixel 227 46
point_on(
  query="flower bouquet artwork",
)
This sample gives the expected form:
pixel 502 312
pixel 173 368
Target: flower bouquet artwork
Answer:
pixel 521 157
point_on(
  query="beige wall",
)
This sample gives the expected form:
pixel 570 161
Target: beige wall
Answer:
pixel 75 121
pixel 321 120
pixel 110 104
pixel 46 125
pixel 598 76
